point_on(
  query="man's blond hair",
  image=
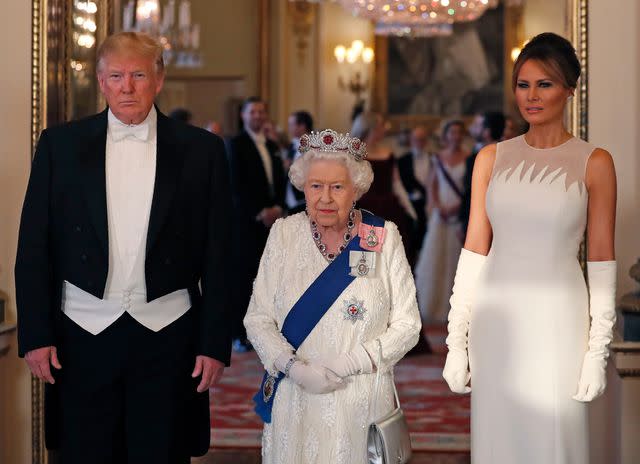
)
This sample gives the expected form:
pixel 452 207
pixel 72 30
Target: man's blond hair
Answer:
pixel 136 43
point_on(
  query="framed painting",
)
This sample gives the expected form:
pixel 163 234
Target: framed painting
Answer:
pixel 423 80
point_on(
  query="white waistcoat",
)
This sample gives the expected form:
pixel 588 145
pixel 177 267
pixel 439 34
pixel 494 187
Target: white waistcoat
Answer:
pixel 130 174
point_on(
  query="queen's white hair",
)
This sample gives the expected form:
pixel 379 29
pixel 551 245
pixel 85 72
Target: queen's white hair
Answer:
pixel 360 171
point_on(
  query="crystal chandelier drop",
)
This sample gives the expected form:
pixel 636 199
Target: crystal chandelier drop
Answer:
pixel 417 18
pixel 180 38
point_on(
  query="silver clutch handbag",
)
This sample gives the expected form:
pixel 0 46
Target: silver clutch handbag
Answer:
pixel 388 440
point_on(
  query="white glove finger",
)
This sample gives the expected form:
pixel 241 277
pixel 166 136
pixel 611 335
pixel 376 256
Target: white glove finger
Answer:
pixel 467 378
pixel 333 377
pixel 582 391
pixel 459 383
pixel 454 380
pixel 590 394
pixel 449 379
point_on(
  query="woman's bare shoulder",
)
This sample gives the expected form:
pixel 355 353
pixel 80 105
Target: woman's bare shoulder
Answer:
pixel 485 159
pixel 600 168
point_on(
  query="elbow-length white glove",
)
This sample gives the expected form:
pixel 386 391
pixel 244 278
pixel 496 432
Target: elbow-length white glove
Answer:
pixel 602 308
pixel 456 368
pixel 313 378
pixel 357 361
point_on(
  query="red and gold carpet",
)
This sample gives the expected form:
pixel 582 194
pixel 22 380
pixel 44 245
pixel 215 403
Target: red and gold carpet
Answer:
pixel 438 419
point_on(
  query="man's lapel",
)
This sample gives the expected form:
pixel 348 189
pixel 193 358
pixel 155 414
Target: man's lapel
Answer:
pixel 92 165
pixel 168 168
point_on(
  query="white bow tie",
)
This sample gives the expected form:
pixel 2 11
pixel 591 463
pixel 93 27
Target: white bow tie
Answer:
pixel 122 131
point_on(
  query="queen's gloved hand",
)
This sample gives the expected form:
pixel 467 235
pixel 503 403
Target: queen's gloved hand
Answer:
pixel 355 362
pixel 312 377
pixel 315 378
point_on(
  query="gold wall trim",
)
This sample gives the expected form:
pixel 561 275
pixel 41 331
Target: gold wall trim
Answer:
pixel 263 50
pixel 38 119
pixel 50 30
pixel 38 69
pixel 577 27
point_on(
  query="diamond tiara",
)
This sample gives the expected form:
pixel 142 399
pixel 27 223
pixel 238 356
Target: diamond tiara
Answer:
pixel 330 140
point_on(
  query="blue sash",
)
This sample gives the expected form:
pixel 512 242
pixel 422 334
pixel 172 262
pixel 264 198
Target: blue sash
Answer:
pixel 309 309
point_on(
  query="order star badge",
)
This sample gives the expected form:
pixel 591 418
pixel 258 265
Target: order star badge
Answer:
pixel 354 310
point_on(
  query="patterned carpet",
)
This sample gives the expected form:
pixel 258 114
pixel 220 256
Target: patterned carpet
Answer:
pixel 438 419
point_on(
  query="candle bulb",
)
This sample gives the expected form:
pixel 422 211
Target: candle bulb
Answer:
pixel 127 16
pixel 184 18
pixel 195 36
pixel 171 13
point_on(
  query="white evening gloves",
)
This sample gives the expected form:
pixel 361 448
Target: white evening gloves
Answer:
pixel 357 361
pixel 602 296
pixel 456 368
pixel 312 377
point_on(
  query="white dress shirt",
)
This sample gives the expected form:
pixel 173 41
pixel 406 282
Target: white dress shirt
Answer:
pixel 130 174
pixel 290 198
pixel 421 166
pixel 261 144
pixel 130 169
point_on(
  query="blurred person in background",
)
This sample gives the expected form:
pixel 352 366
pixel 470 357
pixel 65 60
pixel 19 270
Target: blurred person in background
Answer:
pixel 488 129
pixel 299 123
pixel 436 264
pixel 258 185
pixel 413 167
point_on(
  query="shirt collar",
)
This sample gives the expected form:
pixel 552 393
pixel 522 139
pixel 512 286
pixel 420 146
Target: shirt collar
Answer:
pixel 257 138
pixel 145 131
pixel 418 154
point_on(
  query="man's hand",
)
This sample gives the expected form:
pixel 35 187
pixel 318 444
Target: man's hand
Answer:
pixel 38 361
pixel 210 369
pixel 269 215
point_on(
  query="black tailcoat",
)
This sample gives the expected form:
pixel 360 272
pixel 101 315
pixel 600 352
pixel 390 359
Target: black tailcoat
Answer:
pixel 251 194
pixel 64 235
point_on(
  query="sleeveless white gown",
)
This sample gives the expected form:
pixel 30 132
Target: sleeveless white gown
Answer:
pixel 530 322
pixel 438 259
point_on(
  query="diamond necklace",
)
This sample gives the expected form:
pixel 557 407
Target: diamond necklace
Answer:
pixel 317 237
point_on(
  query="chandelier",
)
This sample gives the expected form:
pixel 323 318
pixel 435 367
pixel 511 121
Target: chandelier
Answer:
pixel 180 39
pixel 417 18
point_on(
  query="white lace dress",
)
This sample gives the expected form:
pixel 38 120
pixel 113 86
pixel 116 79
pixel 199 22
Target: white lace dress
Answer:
pixel 309 428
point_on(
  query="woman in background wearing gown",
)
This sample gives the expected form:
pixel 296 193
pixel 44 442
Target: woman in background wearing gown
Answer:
pixel 522 326
pixel 436 265
pixel 387 196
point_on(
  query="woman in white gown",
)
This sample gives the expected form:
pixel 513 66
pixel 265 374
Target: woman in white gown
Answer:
pixel 522 311
pixel 436 265
pixel 320 410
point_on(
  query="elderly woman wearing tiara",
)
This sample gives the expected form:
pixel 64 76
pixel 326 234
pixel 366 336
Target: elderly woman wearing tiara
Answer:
pixel 333 287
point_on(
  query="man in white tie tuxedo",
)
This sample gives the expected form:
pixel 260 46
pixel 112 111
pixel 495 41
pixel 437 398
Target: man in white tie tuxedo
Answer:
pixel 258 187
pixel 120 272
pixel 300 123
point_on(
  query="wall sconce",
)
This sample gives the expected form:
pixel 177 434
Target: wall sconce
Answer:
pixel 515 51
pixel 357 58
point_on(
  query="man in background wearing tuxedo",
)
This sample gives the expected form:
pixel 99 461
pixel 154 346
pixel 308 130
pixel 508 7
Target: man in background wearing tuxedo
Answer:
pixel 258 186
pixel 487 128
pixel 413 167
pixel 121 272
pixel 300 123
